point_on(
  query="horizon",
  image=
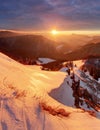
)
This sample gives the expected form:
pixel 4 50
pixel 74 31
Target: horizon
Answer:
pixel 59 32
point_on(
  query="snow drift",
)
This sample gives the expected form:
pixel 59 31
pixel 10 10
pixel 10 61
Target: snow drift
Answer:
pixel 30 100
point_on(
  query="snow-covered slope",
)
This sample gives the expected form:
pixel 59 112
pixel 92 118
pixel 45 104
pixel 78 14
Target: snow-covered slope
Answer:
pixel 44 60
pixel 28 100
pixel 63 69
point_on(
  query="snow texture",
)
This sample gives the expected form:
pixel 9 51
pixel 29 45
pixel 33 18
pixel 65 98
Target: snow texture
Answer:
pixel 44 60
pixel 31 99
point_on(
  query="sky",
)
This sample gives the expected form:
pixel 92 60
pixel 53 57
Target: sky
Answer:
pixel 50 14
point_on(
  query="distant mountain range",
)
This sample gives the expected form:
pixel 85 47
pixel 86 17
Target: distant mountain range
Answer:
pixel 8 34
pixel 91 50
pixel 73 41
pixel 34 46
pixel 28 46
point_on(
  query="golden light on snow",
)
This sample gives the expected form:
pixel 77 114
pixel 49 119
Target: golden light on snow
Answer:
pixel 54 32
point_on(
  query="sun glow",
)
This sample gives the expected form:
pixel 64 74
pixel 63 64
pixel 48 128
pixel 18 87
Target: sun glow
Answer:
pixel 54 32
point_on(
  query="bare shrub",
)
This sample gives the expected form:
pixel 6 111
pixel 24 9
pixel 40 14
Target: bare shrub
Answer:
pixel 92 113
pixel 63 112
pixel 53 111
pixel 20 94
pixel 11 87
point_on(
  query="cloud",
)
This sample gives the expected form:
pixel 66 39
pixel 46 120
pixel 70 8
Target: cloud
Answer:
pixel 43 14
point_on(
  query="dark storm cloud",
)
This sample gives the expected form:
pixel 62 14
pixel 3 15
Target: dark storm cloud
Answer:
pixel 44 14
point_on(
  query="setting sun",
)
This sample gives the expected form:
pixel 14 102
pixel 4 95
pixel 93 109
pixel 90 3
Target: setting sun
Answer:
pixel 54 32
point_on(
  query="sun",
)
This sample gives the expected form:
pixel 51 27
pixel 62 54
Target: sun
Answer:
pixel 54 32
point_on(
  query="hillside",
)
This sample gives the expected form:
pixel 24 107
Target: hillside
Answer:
pixel 26 105
pixel 8 34
pixel 32 47
pixel 28 46
pixel 87 51
pixel 95 39
pixel 72 41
